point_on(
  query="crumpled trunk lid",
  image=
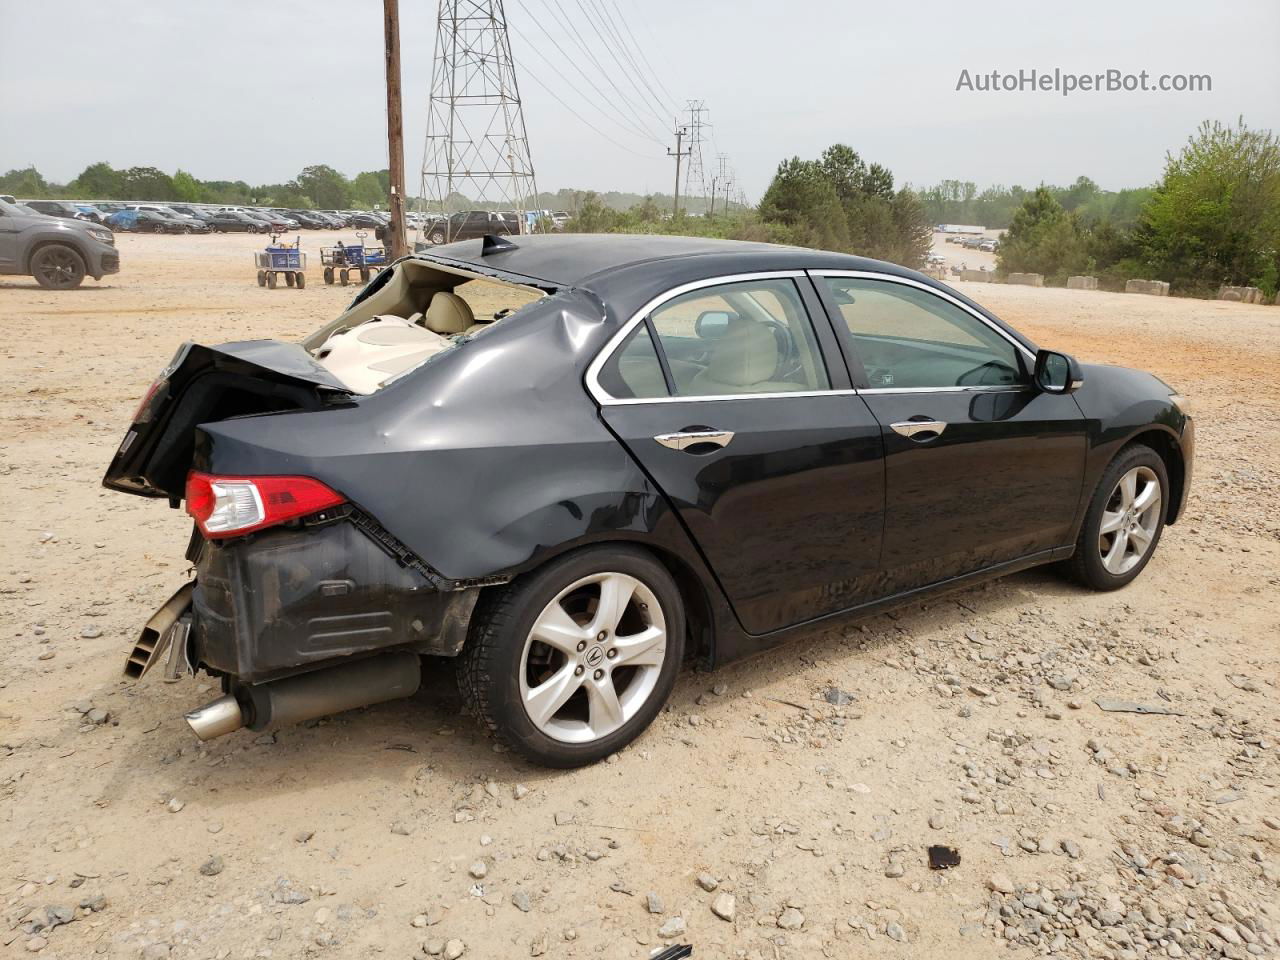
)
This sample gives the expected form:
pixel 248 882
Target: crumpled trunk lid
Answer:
pixel 206 384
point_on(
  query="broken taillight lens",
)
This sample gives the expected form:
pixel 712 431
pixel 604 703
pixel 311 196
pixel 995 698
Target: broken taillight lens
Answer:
pixel 234 506
pixel 147 405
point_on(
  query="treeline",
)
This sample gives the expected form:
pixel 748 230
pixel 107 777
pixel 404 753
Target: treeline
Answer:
pixel 958 201
pixel 1213 219
pixel 318 186
pixel 837 202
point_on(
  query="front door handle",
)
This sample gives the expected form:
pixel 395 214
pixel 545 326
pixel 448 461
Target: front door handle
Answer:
pixel 693 438
pixel 915 429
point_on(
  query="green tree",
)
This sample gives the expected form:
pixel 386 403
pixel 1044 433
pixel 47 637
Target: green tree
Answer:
pixel 1215 216
pixel 803 199
pixel 187 188
pixel 146 183
pixel 26 184
pixel 372 188
pixel 1044 238
pixel 96 182
pixel 326 186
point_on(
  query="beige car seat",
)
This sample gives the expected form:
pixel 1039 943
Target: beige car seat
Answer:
pixel 450 315
pixel 366 356
pixel 742 361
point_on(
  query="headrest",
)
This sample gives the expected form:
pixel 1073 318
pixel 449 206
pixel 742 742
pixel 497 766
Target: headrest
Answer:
pixel 746 354
pixel 449 314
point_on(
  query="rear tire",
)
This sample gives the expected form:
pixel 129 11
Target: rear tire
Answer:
pixel 271 280
pixel 344 277
pixel 262 278
pixel 288 279
pixel 328 275
pixel 602 673
pixel 57 267
pixel 300 280
pixel 1124 521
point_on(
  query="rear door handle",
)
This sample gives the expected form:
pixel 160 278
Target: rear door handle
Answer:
pixel 913 429
pixel 692 438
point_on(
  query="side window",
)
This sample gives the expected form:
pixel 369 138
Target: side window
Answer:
pixel 634 372
pixel 909 338
pixel 753 336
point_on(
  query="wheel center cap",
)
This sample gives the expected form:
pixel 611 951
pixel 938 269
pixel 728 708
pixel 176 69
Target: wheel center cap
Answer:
pixel 594 656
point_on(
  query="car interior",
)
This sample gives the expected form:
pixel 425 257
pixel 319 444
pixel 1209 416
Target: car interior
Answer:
pixel 735 339
pixel 420 310
pixel 908 338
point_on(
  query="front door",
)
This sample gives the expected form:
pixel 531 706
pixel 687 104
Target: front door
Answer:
pixel 739 409
pixel 10 228
pixel 980 467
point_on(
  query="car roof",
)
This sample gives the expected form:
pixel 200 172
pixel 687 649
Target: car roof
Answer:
pixel 567 260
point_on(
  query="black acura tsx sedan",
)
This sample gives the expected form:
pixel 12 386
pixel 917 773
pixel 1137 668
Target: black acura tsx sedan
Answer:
pixel 655 449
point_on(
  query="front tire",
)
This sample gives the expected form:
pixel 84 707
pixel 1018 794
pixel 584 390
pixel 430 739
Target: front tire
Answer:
pixel 572 662
pixel 58 267
pixel 1124 521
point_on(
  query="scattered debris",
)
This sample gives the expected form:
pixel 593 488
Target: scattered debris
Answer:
pixel 943 858
pixel 1129 706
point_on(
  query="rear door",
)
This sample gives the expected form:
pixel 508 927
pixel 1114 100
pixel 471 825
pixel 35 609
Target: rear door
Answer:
pixel 981 467
pixel 739 408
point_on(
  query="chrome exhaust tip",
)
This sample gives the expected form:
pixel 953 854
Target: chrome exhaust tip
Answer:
pixel 216 718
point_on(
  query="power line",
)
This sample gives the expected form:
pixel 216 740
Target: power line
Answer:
pixel 603 34
pixel 532 76
pixel 565 21
pixel 640 49
pixel 601 9
pixel 625 122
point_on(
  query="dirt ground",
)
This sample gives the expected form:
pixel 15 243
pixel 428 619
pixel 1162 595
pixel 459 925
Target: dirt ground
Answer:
pixel 400 831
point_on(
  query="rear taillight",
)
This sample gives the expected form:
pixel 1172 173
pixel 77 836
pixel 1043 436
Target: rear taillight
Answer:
pixel 147 404
pixel 234 506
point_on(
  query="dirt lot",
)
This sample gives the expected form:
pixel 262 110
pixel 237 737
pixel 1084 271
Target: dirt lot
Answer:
pixel 399 830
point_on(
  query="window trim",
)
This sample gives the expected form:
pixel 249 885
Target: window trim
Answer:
pixel 604 398
pixel 846 338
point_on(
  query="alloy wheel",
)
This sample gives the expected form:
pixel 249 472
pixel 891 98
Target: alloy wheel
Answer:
pixel 1130 520
pixel 58 269
pixel 592 659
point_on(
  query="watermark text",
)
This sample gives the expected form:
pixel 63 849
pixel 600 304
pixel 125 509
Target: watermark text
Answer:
pixel 1066 83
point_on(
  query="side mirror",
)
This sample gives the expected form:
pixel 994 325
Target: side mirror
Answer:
pixel 713 324
pixel 1057 372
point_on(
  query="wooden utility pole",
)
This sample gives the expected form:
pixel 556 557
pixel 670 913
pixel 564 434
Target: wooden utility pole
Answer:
pixel 711 213
pixel 397 246
pixel 678 153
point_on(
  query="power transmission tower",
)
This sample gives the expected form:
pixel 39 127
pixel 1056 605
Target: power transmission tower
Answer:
pixel 720 179
pixel 476 140
pixel 694 178
pixel 681 133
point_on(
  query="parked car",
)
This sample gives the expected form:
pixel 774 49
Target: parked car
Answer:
pixel 187 223
pixel 680 448
pixel 471 224
pixel 58 252
pixel 234 221
pixel 91 213
pixel 145 221
pixel 307 219
pixel 368 221
pixel 188 210
pixel 56 208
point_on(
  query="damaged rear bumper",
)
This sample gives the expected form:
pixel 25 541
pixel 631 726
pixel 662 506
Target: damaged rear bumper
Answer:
pixel 291 600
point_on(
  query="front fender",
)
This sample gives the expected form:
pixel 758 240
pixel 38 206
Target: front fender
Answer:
pixel 1120 406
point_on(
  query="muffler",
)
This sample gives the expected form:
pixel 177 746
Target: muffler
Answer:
pixel 310 695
